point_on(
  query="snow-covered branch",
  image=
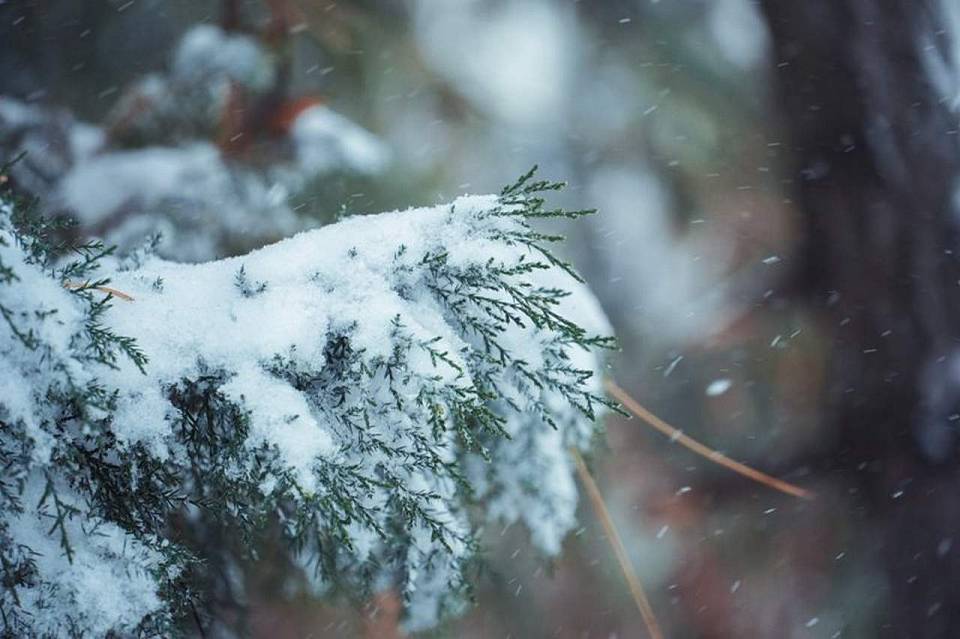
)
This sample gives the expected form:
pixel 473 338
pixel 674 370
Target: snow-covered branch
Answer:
pixel 362 397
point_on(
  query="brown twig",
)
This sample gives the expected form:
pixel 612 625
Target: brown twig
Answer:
pixel 629 574
pixel 103 289
pixel 675 434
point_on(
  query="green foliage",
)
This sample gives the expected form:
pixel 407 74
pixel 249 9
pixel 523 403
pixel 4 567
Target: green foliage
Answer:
pixel 391 506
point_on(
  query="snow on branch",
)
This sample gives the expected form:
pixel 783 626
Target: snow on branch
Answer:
pixel 173 157
pixel 362 397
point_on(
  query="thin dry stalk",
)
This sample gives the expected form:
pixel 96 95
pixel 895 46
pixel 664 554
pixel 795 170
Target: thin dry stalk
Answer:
pixel 676 435
pixel 600 508
pixel 103 289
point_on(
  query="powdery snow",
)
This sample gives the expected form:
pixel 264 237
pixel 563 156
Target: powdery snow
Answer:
pixel 330 342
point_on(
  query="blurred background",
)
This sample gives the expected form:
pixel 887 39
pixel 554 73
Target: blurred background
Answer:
pixel 226 125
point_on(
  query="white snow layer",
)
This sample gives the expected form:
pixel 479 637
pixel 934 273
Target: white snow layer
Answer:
pixel 105 583
pixel 356 278
pixel 172 179
pixel 207 52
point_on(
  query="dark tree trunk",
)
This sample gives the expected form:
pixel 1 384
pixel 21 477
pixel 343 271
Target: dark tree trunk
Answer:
pixel 876 163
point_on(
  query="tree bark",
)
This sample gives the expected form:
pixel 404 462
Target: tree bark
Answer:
pixel 875 166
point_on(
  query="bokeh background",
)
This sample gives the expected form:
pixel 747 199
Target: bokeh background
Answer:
pixel 662 115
